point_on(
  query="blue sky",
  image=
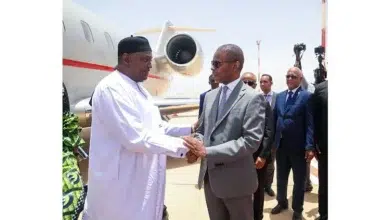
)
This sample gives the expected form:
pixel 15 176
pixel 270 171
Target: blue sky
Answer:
pixel 279 24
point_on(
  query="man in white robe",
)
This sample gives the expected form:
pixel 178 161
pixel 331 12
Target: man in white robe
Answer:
pixel 129 142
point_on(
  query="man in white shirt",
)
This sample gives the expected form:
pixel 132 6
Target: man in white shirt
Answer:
pixel 129 142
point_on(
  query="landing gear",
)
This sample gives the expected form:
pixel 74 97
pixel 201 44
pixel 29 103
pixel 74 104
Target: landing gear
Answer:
pixel 165 118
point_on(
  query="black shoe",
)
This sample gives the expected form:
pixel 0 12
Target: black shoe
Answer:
pixel 322 218
pixel 269 191
pixel 309 188
pixel 297 216
pixel 165 213
pixel 279 208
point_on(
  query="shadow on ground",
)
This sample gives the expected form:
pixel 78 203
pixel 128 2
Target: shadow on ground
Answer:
pixel 173 163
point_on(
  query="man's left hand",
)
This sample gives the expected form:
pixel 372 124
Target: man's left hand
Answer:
pixel 260 162
pixel 195 146
pixel 191 157
pixel 309 155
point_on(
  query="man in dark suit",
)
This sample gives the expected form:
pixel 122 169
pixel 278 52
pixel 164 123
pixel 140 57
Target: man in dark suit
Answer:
pixel 320 116
pixel 266 86
pixel 293 141
pixel 214 84
pixel 262 156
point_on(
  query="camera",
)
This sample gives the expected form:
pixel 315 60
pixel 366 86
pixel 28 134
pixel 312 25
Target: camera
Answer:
pixel 299 47
pixel 320 73
pixel 319 50
pixel 298 51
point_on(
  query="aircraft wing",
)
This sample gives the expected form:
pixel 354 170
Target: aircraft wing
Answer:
pixel 170 106
pixel 164 102
pixel 167 106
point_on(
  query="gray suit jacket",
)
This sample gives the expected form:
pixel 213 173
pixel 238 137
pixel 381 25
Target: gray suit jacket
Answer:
pixel 231 141
pixel 274 94
pixel 273 102
pixel 265 148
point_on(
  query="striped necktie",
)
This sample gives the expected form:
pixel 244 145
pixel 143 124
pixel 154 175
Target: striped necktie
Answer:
pixel 290 100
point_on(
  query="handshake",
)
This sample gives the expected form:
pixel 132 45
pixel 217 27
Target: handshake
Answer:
pixel 195 147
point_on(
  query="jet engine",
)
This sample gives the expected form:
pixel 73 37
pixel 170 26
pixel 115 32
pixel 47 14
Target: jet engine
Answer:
pixel 184 54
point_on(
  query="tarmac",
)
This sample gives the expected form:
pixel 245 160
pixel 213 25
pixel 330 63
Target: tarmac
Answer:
pixel 186 202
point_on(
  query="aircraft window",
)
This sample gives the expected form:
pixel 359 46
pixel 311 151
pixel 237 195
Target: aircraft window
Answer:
pixel 109 40
pixel 63 26
pixel 87 31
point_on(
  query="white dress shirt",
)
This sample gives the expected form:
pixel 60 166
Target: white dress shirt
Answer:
pixel 268 97
pixel 230 86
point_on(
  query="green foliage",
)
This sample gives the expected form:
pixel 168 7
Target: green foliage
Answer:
pixel 70 132
pixel 72 184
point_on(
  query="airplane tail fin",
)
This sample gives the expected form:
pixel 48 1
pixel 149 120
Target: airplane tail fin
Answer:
pixel 169 26
pixel 167 31
pixel 174 28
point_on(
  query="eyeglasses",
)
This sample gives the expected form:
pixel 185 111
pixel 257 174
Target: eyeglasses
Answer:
pixel 249 83
pixel 216 64
pixel 291 76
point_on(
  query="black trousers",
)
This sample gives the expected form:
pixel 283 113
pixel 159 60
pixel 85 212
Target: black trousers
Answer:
pixel 269 177
pixel 287 159
pixel 323 185
pixel 258 196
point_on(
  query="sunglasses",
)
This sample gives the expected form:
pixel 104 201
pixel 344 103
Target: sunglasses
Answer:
pixel 249 83
pixel 291 76
pixel 216 64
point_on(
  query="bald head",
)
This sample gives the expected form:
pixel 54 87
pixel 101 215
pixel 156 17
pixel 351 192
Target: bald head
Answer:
pixel 249 79
pixel 294 78
pixel 296 70
pixel 249 75
pixel 233 53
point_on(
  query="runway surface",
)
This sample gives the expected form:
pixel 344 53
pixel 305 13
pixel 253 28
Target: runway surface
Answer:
pixel 185 201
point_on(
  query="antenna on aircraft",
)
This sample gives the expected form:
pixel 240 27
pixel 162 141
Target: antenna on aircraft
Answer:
pixel 258 55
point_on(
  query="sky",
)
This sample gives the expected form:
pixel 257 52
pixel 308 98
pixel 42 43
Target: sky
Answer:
pixel 279 24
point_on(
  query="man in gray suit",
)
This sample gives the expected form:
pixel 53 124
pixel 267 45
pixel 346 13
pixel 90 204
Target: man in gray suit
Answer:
pixel 230 130
pixel 266 87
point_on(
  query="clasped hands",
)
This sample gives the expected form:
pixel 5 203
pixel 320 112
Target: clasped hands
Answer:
pixel 196 149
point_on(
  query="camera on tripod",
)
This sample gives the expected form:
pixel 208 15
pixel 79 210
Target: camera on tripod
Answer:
pixel 319 50
pixel 299 47
pixel 320 73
